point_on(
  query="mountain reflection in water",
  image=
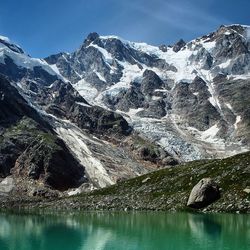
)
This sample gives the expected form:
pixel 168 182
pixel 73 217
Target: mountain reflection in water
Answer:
pixel 125 231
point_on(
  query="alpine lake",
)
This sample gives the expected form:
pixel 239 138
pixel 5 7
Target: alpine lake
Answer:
pixel 124 231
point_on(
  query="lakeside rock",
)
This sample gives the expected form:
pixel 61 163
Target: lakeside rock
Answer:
pixel 204 193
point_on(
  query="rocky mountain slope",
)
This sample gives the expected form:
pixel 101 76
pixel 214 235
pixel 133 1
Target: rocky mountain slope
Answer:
pixel 115 109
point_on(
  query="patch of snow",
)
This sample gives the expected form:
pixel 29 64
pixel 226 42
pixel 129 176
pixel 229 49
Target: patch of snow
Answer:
pixel 100 76
pixel 83 104
pixel 241 77
pixel 155 98
pixel 209 45
pixel 196 93
pixel 6 39
pixel 76 142
pixel 146 48
pixel 106 55
pixel 114 37
pixel 54 67
pixel 2 56
pixel 229 106
pixel 238 119
pixel 74 192
pixel 181 61
pixel 131 112
pixel 214 100
pixel 141 46
pixel 225 64
pixel 57 71
pixel 86 90
pixel 248 32
pixel 131 72
pixel 208 138
pixel 161 90
pixel 209 134
pixel 24 61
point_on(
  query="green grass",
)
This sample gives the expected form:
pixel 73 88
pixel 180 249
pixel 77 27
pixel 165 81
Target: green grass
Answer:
pixel 170 187
pixel 27 130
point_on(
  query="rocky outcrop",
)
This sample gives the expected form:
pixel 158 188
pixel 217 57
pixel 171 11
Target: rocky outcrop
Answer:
pixel 179 45
pixel 6 186
pixel 48 159
pixel 150 82
pixel 191 102
pixel 205 192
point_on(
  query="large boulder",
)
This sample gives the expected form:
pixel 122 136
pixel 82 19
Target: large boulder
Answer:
pixel 205 192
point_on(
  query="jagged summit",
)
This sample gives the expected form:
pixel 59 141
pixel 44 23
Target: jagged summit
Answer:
pixel 91 38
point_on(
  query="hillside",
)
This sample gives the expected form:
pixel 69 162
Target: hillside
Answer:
pixel 166 189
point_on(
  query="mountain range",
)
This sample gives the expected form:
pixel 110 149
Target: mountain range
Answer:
pixel 115 109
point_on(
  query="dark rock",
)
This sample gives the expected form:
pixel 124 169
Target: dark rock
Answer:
pixel 133 98
pixel 179 45
pixel 163 48
pixel 90 38
pixel 150 82
pixel 170 161
pixel 196 110
pixel 49 159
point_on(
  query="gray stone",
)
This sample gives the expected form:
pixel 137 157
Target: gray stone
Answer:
pixel 204 193
pixel 247 190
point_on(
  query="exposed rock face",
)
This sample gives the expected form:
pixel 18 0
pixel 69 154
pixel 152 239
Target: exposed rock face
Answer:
pixel 195 109
pixel 205 192
pixel 179 45
pixel 52 162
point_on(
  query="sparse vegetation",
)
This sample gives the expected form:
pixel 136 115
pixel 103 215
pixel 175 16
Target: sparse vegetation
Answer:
pixel 168 189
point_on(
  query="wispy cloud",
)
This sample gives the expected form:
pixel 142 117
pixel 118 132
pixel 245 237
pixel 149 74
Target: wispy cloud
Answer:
pixel 180 14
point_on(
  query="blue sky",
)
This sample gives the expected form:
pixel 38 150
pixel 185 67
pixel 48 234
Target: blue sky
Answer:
pixel 44 27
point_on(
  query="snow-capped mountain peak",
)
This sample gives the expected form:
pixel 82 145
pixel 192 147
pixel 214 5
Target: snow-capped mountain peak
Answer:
pixel 109 71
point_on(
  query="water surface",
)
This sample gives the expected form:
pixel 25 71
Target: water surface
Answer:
pixel 125 231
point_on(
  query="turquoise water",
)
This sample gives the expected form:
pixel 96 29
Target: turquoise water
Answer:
pixel 125 231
